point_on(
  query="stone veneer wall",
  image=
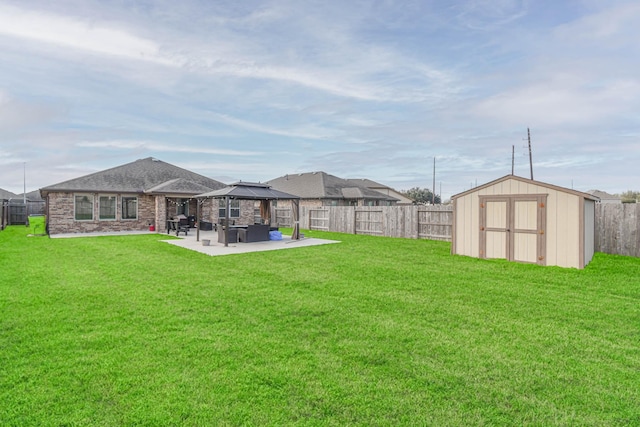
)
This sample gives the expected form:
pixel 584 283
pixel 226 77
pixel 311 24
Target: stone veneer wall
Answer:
pixel 210 209
pixel 61 217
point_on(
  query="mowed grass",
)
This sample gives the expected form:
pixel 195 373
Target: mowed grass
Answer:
pixel 129 330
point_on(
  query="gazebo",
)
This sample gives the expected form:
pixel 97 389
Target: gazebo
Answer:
pixel 253 191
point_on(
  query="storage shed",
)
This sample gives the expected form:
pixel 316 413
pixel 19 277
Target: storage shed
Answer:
pixel 523 220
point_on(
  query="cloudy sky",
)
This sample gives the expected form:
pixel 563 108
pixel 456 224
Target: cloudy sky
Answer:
pixel 253 90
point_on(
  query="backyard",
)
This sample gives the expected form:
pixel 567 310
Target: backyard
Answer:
pixel 372 331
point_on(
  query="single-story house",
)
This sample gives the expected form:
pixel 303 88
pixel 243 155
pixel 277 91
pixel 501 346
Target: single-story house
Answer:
pixel 605 197
pixel 140 195
pixel 384 189
pixel 317 189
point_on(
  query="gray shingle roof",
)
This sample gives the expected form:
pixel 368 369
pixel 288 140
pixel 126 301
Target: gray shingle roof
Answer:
pixel 145 175
pixel 321 185
pixel 6 195
pixel 249 190
pixel 604 196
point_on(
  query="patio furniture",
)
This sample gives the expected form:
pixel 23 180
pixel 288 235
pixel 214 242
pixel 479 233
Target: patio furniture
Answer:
pixel 206 226
pixel 253 233
pixel 178 225
pixel 233 234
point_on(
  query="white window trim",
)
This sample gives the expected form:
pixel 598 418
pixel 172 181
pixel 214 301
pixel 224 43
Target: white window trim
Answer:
pixel 122 200
pixel 75 211
pixel 223 208
pixel 115 212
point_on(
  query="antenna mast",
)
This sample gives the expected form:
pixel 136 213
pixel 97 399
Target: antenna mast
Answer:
pixel 530 158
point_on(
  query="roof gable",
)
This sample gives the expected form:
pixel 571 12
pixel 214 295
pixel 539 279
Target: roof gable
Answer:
pixel 144 175
pixel 527 181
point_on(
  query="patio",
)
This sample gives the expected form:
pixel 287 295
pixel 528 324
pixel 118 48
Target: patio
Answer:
pixel 215 249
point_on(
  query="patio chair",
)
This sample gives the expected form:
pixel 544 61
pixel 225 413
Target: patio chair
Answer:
pixel 183 225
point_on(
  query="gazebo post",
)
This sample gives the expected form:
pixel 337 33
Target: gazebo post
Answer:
pixel 295 207
pixel 227 202
pixel 197 220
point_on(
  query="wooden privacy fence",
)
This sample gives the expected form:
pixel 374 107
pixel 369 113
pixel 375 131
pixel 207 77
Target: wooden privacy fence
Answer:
pixel 617 228
pixel 16 212
pixel 414 222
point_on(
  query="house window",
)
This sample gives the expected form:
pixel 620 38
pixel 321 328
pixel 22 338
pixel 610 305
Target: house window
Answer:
pixel 83 208
pixel 129 208
pixel 107 207
pixel 182 207
pixel 233 213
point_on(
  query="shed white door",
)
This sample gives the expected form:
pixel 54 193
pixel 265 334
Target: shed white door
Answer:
pixel 513 228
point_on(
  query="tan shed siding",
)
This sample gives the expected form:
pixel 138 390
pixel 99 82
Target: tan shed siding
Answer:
pixel 589 230
pixel 459 227
pixel 552 227
pixel 469 225
pixel 563 227
pixel 464 230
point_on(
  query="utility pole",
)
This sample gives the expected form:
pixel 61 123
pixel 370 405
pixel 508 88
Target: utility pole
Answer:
pixel 24 181
pixel 513 153
pixel 433 194
pixel 530 158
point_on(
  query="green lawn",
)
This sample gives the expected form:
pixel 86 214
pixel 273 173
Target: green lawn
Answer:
pixel 111 331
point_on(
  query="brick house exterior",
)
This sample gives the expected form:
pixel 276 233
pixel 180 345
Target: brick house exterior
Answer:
pixel 131 197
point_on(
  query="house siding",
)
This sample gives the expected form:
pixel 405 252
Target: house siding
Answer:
pixel 62 218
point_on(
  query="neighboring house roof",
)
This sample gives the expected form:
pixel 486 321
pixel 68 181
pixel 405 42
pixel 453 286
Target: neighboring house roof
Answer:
pixel 6 195
pixel 605 197
pixel 142 176
pixel 384 189
pixel 321 185
pixel 248 190
pixel 32 196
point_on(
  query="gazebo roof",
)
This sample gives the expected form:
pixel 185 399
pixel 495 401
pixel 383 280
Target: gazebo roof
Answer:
pixel 248 190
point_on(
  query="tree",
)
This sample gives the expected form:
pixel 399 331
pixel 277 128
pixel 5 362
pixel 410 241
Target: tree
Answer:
pixel 629 196
pixel 421 195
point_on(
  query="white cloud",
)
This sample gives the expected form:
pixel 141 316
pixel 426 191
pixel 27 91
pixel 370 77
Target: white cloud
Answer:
pixel 76 33
pixel 154 146
pixel 490 14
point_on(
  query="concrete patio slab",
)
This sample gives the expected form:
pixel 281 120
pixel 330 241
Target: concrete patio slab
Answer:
pixel 216 249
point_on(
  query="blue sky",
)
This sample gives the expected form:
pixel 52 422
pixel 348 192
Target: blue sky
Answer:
pixel 253 90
